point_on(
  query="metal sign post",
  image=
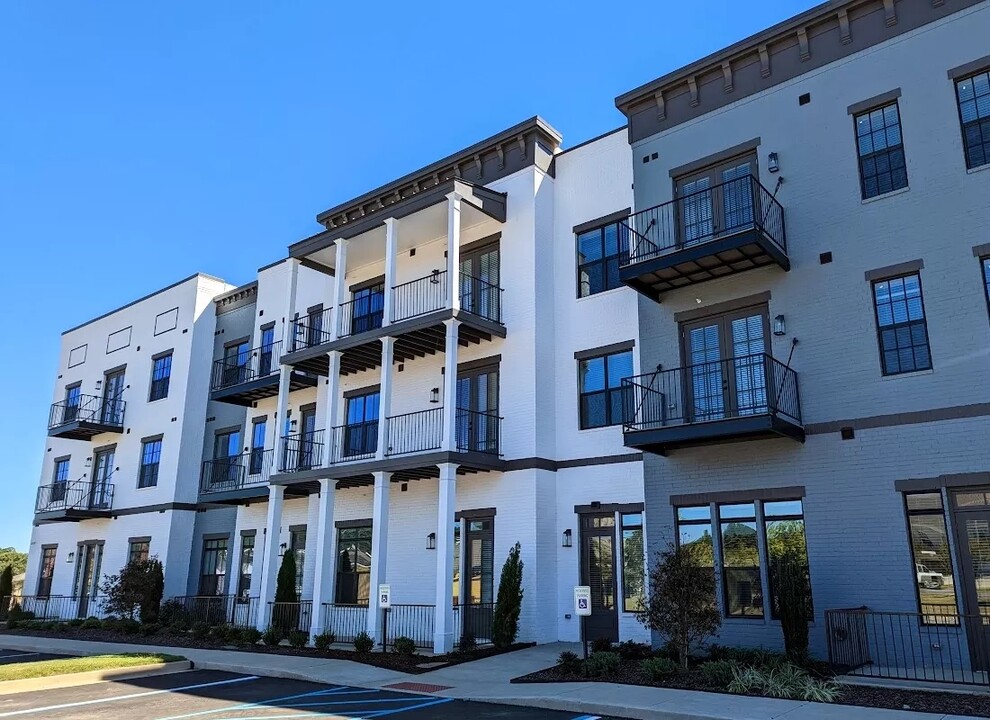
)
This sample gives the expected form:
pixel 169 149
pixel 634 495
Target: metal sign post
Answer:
pixel 385 603
pixel 582 608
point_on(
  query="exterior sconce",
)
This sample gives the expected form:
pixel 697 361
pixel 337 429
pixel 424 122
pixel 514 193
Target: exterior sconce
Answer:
pixel 89 462
pixel 292 423
pixel 435 395
pixel 773 162
pixel 566 539
pixel 70 558
pixel 431 541
pixel 282 548
pixel 778 325
pixel 435 277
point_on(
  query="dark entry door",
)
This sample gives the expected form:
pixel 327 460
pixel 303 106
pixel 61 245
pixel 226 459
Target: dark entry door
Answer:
pixel 973 528
pixel 479 571
pixel 99 498
pixel 308 448
pixel 113 406
pixel 480 282
pixel 598 572
pixel 477 410
pixel 87 575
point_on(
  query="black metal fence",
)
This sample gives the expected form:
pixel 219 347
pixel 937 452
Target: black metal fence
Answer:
pixel 481 298
pixel 414 432
pixel 735 387
pixel 301 451
pixel 345 621
pixel 930 646
pixel 361 315
pixel 475 623
pixel 478 431
pixel 75 495
pixel 419 297
pixel 288 616
pixel 705 215
pixel 54 607
pixel 256 363
pixel 310 331
pixel 357 441
pixel 415 622
pixel 87 408
pixel 218 609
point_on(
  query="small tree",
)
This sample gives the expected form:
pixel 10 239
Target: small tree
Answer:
pixel 6 589
pixel 286 616
pixel 791 585
pixel 137 588
pixel 681 602
pixel 509 602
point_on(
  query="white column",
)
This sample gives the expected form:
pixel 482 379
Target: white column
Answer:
pixel 323 579
pixel 449 440
pixel 339 285
pixel 290 304
pixel 269 570
pixel 333 407
pixel 379 550
pixel 281 412
pixel 385 396
pixel 443 624
pixel 391 252
pixel 454 251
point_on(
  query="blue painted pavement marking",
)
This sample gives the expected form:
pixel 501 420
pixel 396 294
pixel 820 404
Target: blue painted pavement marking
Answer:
pixel 335 690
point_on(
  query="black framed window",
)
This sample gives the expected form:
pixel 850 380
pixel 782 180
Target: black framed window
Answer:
pixel 297 545
pixel 72 398
pixel 600 252
pixel 985 265
pixel 901 328
pixel 929 538
pixel 361 430
pixel 882 168
pixel 256 464
pixel 633 563
pixel 246 567
pixel 266 363
pixel 213 570
pixel 47 570
pixel 742 586
pixel 151 454
pixel 368 308
pixel 973 96
pixel 235 362
pixel 601 397
pixel 783 532
pixel 60 476
pixel 353 565
pixel 138 550
pixel 161 373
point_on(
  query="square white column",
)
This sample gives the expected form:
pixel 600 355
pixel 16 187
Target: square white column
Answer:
pixel 454 251
pixel 385 396
pixel 339 286
pixel 443 623
pixel 292 283
pixel 281 413
pixel 269 568
pixel 332 408
pixel 449 439
pixel 391 252
pixel 323 579
pixel 379 550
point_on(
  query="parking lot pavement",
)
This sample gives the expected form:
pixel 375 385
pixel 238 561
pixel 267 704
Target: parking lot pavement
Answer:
pixel 214 695
pixel 16 656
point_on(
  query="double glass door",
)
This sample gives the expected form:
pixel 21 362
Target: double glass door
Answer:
pixel 598 573
pixel 99 494
pixel 717 201
pixel 479 273
pixel 478 560
pixel 361 430
pixel 113 405
pixel 725 373
pixel 477 410
pixel 368 308
pixel 89 557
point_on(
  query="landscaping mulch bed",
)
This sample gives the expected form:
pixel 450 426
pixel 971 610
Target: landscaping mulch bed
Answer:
pixel 946 703
pixel 387 660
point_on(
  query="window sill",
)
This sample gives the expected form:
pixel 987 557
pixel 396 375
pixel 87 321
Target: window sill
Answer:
pixel 899 376
pixel 981 168
pixel 892 193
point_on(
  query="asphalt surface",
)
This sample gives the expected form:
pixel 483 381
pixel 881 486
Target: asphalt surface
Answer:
pixel 214 695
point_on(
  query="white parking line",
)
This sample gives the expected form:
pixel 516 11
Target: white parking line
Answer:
pixel 65 706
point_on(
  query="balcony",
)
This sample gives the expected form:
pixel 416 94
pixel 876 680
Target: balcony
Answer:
pixel 238 479
pixel 74 501
pixel 418 311
pixel 83 416
pixel 743 398
pixel 252 376
pixel 719 231
pixel 413 448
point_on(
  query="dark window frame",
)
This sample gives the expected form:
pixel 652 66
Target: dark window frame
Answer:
pixel 138 549
pixel 161 375
pixel 46 570
pixel 148 470
pixel 880 328
pixel 218 547
pixel 352 534
pixel 718 521
pixel 299 553
pixel 631 526
pixel 618 257
pixel 244 579
pixel 982 122
pixel 768 559
pixel 985 279
pixel 888 151
pixel 933 512
pixel 607 391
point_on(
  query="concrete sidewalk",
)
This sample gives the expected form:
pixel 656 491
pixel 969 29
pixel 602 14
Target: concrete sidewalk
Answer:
pixel 488 681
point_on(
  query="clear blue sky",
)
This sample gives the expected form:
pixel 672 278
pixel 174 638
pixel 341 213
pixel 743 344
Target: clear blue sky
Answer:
pixel 141 142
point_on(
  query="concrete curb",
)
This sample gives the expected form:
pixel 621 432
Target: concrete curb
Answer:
pixel 54 682
pixel 593 708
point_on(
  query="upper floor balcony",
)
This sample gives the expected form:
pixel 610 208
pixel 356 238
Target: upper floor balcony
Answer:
pixel 80 417
pixel 237 479
pixel 246 376
pixel 710 233
pixel 740 398
pixel 74 501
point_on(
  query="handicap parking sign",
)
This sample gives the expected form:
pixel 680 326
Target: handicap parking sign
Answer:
pixel 582 600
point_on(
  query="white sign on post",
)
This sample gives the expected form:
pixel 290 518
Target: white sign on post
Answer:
pixel 385 596
pixel 582 600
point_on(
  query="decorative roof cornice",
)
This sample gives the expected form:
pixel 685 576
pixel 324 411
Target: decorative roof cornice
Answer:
pixel 238 297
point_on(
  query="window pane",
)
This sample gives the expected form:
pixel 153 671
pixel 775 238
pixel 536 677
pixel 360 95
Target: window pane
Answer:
pixel 633 571
pixel 698 540
pixel 784 507
pixel 902 330
pixel 592 374
pixel 594 410
pixel 741 566
pixel 620 366
pixel 933 568
pixel 701 512
pixel 590 246
pixel 881 151
pixel 924 501
pixel 744 511
pixel 786 542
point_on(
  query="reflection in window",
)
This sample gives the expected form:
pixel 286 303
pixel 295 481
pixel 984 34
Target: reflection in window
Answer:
pixel 783 524
pixel 297 544
pixel 601 396
pixel 600 252
pixel 633 567
pixel 740 561
pixel 353 565
pixel 901 325
pixel 932 561
pixel 881 151
pixel 694 534
pixel 247 567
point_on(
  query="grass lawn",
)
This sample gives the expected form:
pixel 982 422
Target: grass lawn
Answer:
pixel 64 666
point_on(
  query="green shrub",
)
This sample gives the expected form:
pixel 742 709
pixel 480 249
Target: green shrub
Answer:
pixel 60 627
pixel 178 628
pixel 784 681
pixel 363 642
pixel 129 626
pixel 6 588
pixel 250 636
pixel 173 611
pixel 298 639
pixel 16 612
pixel 659 668
pixel 632 651
pixel 568 661
pixel 467 643
pixel 601 644
pixel 508 603
pixel 601 663
pixel 150 629
pixel 273 636
pixel 719 673
pixel 199 630
pixel 138 586
pixel 13 624
pixel 92 623
pixel 404 646
pixel 222 632
pixel 324 640
pixel 50 626
pixel 232 636
pixel 75 622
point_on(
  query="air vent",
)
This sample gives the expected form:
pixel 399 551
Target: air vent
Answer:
pixel 825 258
pixel 847 433
pixel 804 99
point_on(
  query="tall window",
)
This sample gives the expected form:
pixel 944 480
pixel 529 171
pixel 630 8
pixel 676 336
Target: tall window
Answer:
pixel 361 431
pixel 47 570
pixel 742 587
pixel 235 363
pixel 985 264
pixel 60 477
pixel 257 461
pixel 151 453
pixel 973 95
pixel 783 527
pixel 161 372
pixel 367 309
pixel 600 252
pixel 138 550
pixel 246 567
pixel 881 151
pixel 267 364
pixel 297 545
pixel 932 561
pixel 601 398
pixel 901 327
pixel 72 397
pixel 213 571
pixel 314 324
pixel 353 565
pixel 633 563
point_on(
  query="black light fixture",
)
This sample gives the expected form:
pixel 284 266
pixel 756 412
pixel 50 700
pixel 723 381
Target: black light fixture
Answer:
pixel 778 325
pixel 773 162
pixel 435 395
pixel 282 548
pixel 431 541
pixel 435 277
pixel 566 539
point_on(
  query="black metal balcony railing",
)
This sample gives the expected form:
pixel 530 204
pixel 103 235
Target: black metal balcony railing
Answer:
pixel 482 298
pixel 301 451
pixel 478 431
pixel 357 441
pixel 87 409
pixel 414 432
pixel 257 363
pixel 360 316
pixel 288 616
pixel 311 330
pixel 420 297
pixel 345 621
pixel 232 610
pixel 239 471
pixel 719 390
pixel 76 495
pixel 709 214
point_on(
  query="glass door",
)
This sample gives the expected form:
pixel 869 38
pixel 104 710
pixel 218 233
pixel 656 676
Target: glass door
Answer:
pixel 361 430
pixel 307 439
pixel 477 410
pixel 266 363
pixel 258 430
pixel 226 454
pixel 716 201
pixel 87 576
pixel 479 571
pixel 113 406
pixel 235 363
pixel 367 309
pixel 479 272
pixel 973 529
pixel 99 496
pixel 598 572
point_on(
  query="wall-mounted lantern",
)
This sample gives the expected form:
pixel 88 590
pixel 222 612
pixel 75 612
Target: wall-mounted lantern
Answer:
pixel 566 540
pixel 431 541
pixel 435 395
pixel 773 162
pixel 435 277
pixel 778 325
